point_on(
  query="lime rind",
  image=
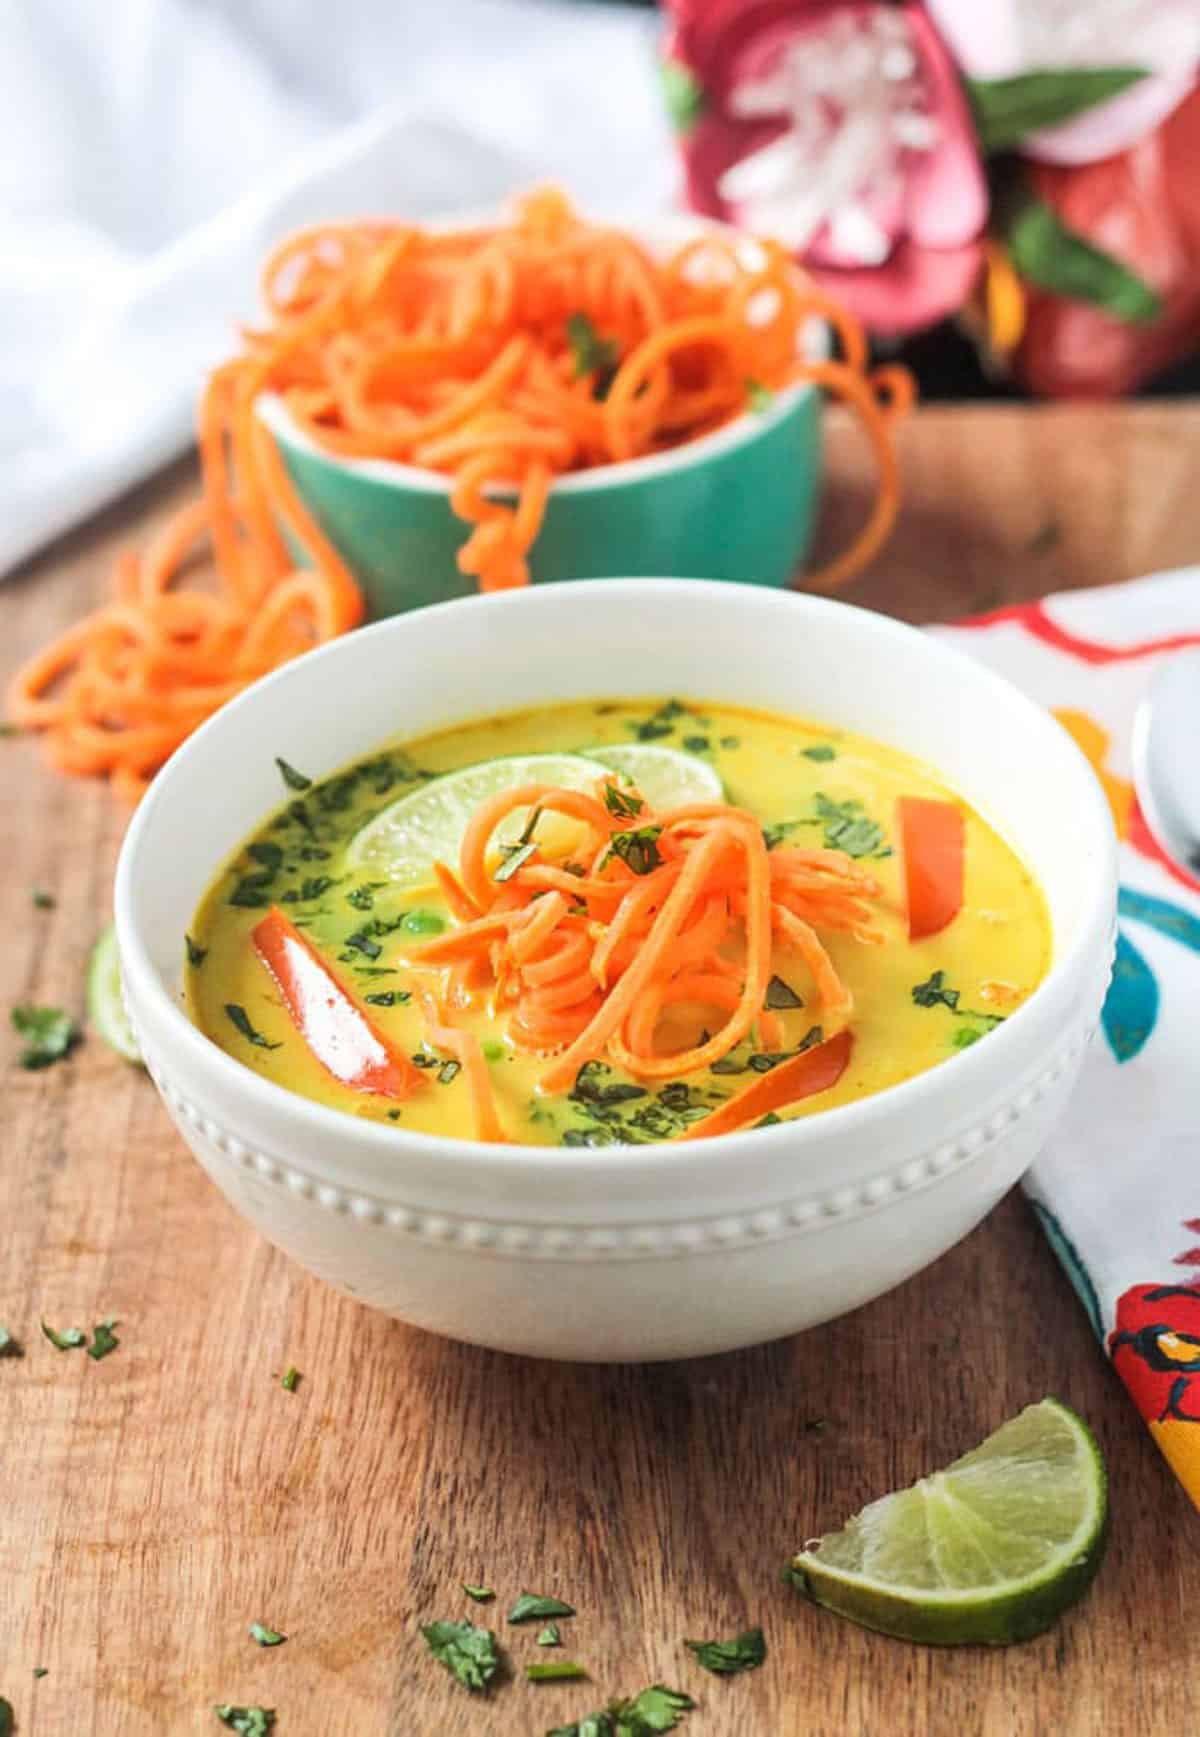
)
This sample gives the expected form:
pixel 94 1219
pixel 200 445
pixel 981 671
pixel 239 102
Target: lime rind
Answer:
pixel 105 1003
pixel 991 1550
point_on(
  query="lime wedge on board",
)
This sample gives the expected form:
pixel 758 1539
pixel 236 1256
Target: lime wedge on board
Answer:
pixel 106 1009
pixel 991 1550
pixel 402 843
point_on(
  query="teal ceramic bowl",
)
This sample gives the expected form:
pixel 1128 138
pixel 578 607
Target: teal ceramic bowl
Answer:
pixel 737 504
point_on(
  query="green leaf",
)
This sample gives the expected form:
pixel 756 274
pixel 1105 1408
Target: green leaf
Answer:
pixel 848 828
pixel 726 1658
pixel 625 804
pixel 49 1034
pixel 468 1653
pixel 592 353
pixel 195 955
pixel 9 1347
pixel 240 1019
pixel 248 1721
pixel 42 901
pixel 7 1719
pixel 533 1606
pixel 1007 109
pixel 1046 252
pixel 104 1340
pixel 780 995
pixel 935 989
pixel 293 779
pixel 266 1637
pixel 550 1636
pixel 683 94
pixel 481 1594
pixel 638 850
pixel 291 1379
pixel 758 396
pixel 820 751
pixel 555 1671
pixel 655 1709
pixel 71 1340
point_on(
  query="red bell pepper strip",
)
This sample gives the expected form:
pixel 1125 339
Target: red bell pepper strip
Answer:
pixel 327 1016
pixel 932 845
pixel 813 1070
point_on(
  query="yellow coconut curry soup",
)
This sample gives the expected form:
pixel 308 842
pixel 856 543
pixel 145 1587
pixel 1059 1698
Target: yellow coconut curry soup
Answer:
pixel 616 922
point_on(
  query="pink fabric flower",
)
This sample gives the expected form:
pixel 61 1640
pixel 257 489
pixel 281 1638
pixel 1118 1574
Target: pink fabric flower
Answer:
pixel 841 130
pixel 994 39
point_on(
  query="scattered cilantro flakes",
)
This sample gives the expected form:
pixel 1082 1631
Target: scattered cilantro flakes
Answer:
pixel 550 1636
pixel 468 1653
pixel 966 1035
pixel 388 997
pixel 49 1034
pixel 247 1721
pixel 68 1341
pixel 726 1658
pixel 7 1718
pixel 848 828
pixel 10 1347
pixel 555 1671
pixel 655 1710
pixel 697 744
pixel 661 723
pixel 758 396
pixel 293 779
pixel 781 995
pixel 731 741
pixel 625 804
pixel 480 1594
pixel 770 1120
pixel 290 1379
pixel 240 1019
pixel 195 955
pixel 40 1671
pixel 361 942
pixel 104 1340
pixel 820 751
pixel 264 1636
pixel 935 989
pixel 533 1606
pixel 638 850
pixel 42 900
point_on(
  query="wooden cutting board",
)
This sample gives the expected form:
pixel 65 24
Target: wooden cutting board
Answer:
pixel 154 1504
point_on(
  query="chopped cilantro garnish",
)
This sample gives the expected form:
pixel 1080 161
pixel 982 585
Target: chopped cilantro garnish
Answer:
pixel 361 942
pixel 727 1658
pixel 247 1721
pixel 7 1718
pixel 731 741
pixel 267 854
pixel 68 1341
pixel 638 850
pixel 555 1671
pixel 240 1019
pixel 49 1034
pixel 848 828
pixel 770 1120
pixel 550 1636
pixel 195 955
pixel 104 1340
pixel 266 1637
pixel 758 396
pixel 481 1594
pixel 625 804
pixel 820 751
pixel 780 995
pixel 42 900
pixel 592 353
pixel 655 1710
pixel 935 989
pixel 40 1671
pixel 290 1379
pixel 9 1347
pixel 293 779
pixel 388 997
pixel 468 1653
pixel 533 1606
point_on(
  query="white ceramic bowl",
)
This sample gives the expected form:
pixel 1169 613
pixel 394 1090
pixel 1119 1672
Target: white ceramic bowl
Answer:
pixel 646 1251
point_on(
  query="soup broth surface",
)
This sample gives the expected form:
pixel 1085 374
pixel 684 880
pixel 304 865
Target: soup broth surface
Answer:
pixel 916 1004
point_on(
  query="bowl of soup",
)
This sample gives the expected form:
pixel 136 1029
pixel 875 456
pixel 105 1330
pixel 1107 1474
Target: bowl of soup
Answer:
pixel 622 970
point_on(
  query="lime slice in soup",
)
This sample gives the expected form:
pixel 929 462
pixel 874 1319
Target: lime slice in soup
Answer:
pixel 106 1010
pixel 407 838
pixel 992 1549
pixel 664 776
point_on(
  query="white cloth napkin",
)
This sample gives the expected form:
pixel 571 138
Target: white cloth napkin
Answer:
pixel 156 149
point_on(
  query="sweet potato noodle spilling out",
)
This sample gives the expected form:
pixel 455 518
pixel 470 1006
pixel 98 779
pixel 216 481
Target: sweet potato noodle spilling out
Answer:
pixel 505 355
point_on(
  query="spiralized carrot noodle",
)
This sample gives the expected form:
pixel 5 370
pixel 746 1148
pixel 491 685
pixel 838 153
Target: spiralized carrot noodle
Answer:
pixel 503 357
pixel 584 967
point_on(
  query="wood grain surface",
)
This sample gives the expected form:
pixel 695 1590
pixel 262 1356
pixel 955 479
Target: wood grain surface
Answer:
pixel 154 1504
